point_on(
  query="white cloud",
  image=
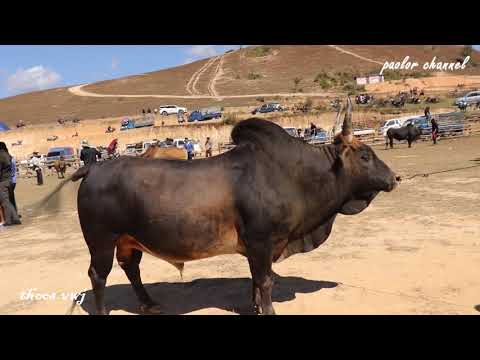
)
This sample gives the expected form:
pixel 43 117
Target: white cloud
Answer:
pixel 35 78
pixel 115 63
pixel 188 61
pixel 202 51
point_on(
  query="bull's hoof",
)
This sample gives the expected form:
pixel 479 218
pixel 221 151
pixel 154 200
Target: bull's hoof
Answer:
pixel 269 311
pixel 151 309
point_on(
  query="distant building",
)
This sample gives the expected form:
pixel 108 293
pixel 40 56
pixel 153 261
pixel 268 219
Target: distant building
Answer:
pixel 369 79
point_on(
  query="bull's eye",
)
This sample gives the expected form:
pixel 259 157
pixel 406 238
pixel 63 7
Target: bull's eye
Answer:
pixel 365 157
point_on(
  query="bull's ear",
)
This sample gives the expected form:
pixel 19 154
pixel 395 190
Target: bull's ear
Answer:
pixel 343 151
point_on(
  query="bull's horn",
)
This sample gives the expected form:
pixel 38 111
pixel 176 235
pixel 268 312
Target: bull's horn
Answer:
pixel 337 124
pixel 347 128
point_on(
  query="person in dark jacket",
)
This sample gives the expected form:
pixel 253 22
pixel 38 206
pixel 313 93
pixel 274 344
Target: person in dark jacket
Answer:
pixel 427 112
pixel 13 184
pixel 9 212
pixel 434 130
pixel 89 155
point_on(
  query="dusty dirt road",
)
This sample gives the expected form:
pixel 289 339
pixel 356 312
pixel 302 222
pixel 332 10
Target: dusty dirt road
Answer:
pixel 413 251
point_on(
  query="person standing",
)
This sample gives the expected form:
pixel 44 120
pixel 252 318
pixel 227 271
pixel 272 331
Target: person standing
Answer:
pixel 208 147
pixel 10 214
pixel 313 129
pixel 180 117
pixel 88 154
pixel 434 130
pixel 37 167
pixel 13 184
pixel 427 113
pixel 189 148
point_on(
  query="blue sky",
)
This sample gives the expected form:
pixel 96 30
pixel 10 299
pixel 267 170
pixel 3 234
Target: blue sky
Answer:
pixel 25 68
pixel 28 68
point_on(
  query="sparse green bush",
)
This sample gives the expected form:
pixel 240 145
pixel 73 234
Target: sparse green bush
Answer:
pixel 259 51
pixel 253 76
pixel 320 107
pixel 308 104
pixel 402 75
pixel 237 77
pixel 260 99
pixel 230 119
pixel 467 51
pixel 352 88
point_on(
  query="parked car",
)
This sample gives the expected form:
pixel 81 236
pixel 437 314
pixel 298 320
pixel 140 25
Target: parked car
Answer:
pixel 147 120
pixel 197 147
pixel 321 136
pixel 473 97
pixel 292 131
pixel 166 110
pixel 276 106
pixel 363 132
pixel 179 143
pixel 205 114
pixel 54 153
pixel 133 149
pixel 392 123
pixel 266 108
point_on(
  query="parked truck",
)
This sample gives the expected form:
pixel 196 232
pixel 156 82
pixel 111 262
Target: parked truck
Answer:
pixel 129 123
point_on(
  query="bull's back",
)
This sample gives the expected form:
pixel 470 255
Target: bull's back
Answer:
pixel 176 210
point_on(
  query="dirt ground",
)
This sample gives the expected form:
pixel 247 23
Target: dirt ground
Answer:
pixel 413 251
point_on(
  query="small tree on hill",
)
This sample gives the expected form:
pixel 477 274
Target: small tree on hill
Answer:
pixel 467 51
pixel 296 82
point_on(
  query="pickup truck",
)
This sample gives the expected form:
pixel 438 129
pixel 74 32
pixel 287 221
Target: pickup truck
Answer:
pixel 54 153
pixel 445 124
pixel 137 123
pixel 203 115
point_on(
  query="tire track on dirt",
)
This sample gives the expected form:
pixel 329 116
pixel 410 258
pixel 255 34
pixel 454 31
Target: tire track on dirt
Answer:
pixel 200 73
pixel 354 54
pixel 194 79
pixel 78 91
pixel 216 75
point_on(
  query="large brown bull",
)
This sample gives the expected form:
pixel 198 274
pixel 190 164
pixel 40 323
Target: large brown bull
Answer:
pixel 60 167
pixel 270 197
pixel 167 153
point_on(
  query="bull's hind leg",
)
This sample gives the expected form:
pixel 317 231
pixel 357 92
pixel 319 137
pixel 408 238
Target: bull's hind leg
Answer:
pixel 129 260
pixel 101 252
pixel 260 261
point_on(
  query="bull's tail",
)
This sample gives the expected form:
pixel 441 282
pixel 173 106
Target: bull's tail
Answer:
pixel 77 175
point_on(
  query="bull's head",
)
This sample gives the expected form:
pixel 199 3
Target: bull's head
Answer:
pixel 363 170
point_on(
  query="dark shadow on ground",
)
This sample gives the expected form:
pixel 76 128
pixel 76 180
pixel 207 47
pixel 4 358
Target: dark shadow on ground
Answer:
pixel 222 293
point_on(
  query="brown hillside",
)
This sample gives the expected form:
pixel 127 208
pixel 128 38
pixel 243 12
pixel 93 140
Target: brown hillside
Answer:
pixel 279 67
